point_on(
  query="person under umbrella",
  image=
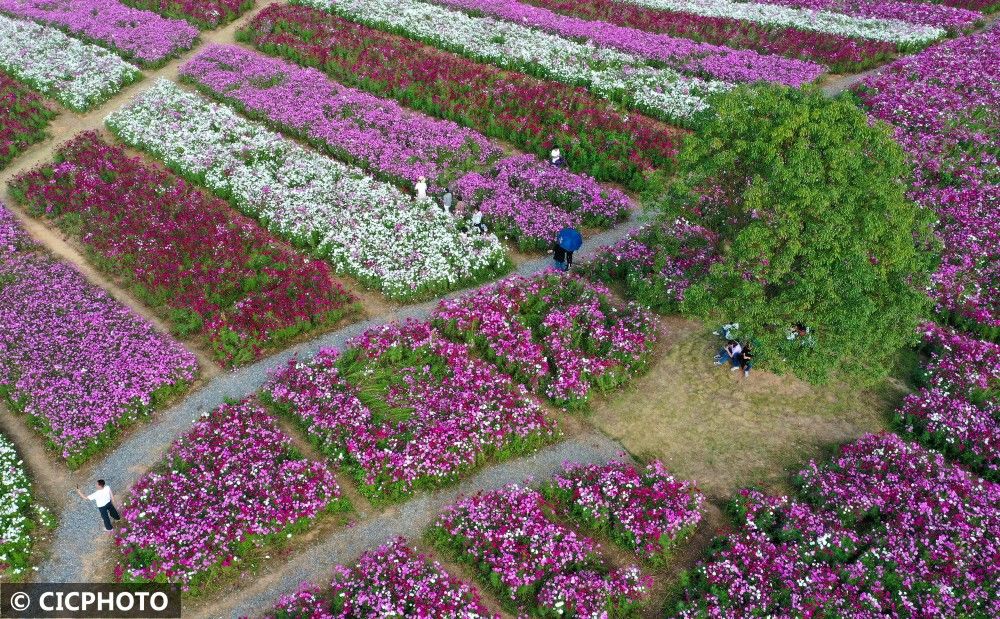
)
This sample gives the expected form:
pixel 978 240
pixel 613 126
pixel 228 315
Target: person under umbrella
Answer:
pixel 568 241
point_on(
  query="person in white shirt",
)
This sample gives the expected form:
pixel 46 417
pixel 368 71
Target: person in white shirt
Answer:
pixel 103 499
pixel 421 188
pixel 476 220
pixel 447 200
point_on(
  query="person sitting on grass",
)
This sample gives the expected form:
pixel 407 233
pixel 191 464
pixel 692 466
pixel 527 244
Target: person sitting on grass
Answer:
pixel 746 358
pixel 730 353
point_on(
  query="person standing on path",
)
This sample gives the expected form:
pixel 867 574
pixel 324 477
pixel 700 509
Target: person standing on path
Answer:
pixel 103 498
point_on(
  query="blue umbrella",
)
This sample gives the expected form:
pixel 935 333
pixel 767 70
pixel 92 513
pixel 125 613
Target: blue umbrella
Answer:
pixel 570 239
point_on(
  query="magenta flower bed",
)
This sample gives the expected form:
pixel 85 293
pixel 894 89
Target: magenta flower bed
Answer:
pixel 962 364
pixel 219 272
pixel 393 580
pixel 137 35
pixel 204 14
pixel 646 510
pixel 923 13
pixel 533 562
pixel 891 529
pixel 714 61
pixel 403 408
pixel 520 196
pixel 656 264
pixel 231 484
pixel 943 103
pixel 76 361
pixel 841 54
pixel 24 116
pixel 560 335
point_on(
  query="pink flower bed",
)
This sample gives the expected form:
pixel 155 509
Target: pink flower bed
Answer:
pixel 658 263
pixel 219 272
pixel 533 562
pixel 137 35
pixel 403 408
pixel 914 12
pixel 205 14
pixel 520 196
pixel 76 361
pixel 393 580
pixel 230 484
pixel 559 334
pixel 645 510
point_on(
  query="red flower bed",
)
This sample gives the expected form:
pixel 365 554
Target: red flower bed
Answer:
pixel 23 118
pixel 534 114
pixel 219 272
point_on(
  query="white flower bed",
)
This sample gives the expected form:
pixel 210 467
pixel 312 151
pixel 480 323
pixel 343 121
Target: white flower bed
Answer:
pixel 608 73
pixel 889 30
pixel 364 227
pixel 77 74
pixel 16 505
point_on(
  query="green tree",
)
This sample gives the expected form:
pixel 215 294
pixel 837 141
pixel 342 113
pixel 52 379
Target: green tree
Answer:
pixel 809 198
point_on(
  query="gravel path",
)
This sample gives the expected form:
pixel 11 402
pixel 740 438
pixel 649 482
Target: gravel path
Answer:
pixel 409 519
pixel 79 538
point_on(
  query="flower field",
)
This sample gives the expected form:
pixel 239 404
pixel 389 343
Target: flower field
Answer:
pixel 78 75
pixel 79 364
pixel 140 35
pixel 205 14
pixel 644 510
pixel 392 580
pixel 533 114
pixel 402 408
pixel 18 515
pixel 520 197
pixel 23 119
pixel 885 528
pixel 219 273
pixel 561 336
pixel 231 484
pixel 365 228
pixel 532 561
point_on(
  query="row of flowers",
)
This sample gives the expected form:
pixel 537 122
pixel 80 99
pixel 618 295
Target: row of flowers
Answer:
pixel 402 408
pixel 608 73
pixel 77 362
pixel 233 484
pixel 137 35
pixel 20 513
pixel 711 61
pixel 531 561
pixel 923 13
pixel 839 53
pixel 560 335
pixel 366 228
pixel 645 510
pixel 520 196
pixel 218 272
pixel 656 264
pixel 943 104
pixel 905 34
pixel 204 14
pixel 886 528
pixel 24 117
pixel 535 115
pixel 77 74
pixel 391 581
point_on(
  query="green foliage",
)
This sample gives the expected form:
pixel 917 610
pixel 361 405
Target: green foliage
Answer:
pixel 809 199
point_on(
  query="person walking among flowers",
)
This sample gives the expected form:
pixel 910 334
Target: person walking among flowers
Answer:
pixel 103 498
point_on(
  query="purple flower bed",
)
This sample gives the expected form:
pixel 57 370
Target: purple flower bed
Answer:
pixel 645 510
pixel 533 562
pixel 135 34
pixel 231 484
pixel 658 263
pixel 205 14
pixel 715 61
pixel 889 529
pixel 393 580
pixel 521 196
pixel 961 364
pixel 76 361
pixel 944 105
pixel 560 335
pixel 403 408
pixel 922 13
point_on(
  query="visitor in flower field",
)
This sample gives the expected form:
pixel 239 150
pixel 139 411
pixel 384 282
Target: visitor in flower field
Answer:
pixel 103 498
pixel 556 158
pixel 476 220
pixel 563 259
pixel 421 188
pixel 730 353
pixel 447 199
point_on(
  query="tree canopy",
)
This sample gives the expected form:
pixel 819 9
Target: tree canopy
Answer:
pixel 809 198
